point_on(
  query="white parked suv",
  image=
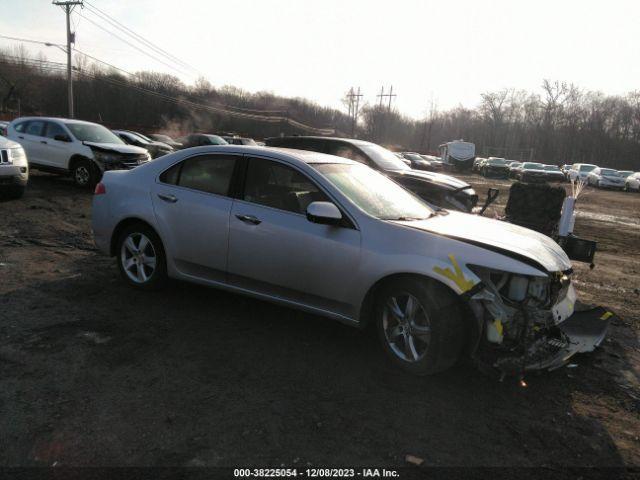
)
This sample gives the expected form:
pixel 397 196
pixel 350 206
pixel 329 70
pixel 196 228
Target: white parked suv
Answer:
pixel 580 171
pixel 632 182
pixel 84 150
pixel 605 178
pixel 14 170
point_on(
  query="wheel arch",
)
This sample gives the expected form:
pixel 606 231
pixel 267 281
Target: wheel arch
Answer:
pixel 75 158
pixel 367 308
pixel 124 223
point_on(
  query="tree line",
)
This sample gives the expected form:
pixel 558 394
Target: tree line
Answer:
pixel 560 124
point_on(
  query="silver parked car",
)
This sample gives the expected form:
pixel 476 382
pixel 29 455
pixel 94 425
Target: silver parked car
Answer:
pixel 334 237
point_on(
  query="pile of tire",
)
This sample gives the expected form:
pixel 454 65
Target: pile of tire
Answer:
pixel 537 206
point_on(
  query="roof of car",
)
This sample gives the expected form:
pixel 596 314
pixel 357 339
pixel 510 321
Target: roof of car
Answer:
pixel 305 156
pixel 59 119
pixel 335 139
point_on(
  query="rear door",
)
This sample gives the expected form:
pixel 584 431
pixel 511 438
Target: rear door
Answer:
pixel 275 250
pixel 192 205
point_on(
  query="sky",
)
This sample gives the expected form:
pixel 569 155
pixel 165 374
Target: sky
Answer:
pixel 445 51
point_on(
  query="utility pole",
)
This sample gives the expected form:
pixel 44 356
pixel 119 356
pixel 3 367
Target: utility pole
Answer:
pixel 68 6
pixel 354 107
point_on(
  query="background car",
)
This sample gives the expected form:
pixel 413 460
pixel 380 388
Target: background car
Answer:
pixel 160 137
pixel 532 172
pixel 632 182
pixel 200 140
pixel 83 149
pixel 477 164
pixel 438 189
pixel 3 128
pixel 580 171
pixel 514 168
pixel 495 167
pixel 155 149
pixel 235 140
pixel 436 162
pixel 605 178
pixel 565 170
pixel 554 174
pixel 14 169
pixel 417 161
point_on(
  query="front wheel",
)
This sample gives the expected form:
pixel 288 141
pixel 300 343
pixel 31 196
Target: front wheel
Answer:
pixel 85 174
pixel 141 257
pixel 420 325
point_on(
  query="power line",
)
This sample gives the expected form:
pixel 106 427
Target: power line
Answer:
pixel 105 16
pixel 136 47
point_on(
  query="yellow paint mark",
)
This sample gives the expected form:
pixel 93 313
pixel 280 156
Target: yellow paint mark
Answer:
pixel 606 315
pixel 497 324
pixel 457 276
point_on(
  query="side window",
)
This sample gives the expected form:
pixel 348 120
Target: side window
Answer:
pixel 20 126
pixel 345 150
pixel 35 127
pixel 54 129
pixel 171 176
pixel 207 173
pixel 278 186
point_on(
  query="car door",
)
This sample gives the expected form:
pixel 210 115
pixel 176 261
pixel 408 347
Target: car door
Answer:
pixel 30 139
pixel 276 251
pixel 58 152
pixel 192 206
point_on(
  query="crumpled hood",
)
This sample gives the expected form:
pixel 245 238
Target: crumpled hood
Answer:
pixel 440 178
pixel 502 237
pixel 116 147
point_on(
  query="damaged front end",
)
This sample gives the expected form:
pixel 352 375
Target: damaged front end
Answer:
pixel 529 323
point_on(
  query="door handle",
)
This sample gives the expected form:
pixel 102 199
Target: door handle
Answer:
pixel 20 136
pixel 249 219
pixel 43 141
pixel 168 197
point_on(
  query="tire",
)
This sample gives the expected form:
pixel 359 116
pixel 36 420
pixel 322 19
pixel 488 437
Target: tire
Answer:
pixel 436 334
pixel 144 268
pixel 85 174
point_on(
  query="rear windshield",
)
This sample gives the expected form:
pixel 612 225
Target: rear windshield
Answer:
pixel 609 172
pixel 587 168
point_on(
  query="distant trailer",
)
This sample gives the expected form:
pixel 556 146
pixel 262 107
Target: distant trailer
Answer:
pixel 458 155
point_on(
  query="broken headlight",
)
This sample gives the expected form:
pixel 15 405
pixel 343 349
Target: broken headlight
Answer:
pixel 516 289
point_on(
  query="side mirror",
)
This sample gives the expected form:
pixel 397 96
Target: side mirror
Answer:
pixel 62 138
pixel 324 213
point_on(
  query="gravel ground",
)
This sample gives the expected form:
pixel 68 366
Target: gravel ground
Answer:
pixel 94 373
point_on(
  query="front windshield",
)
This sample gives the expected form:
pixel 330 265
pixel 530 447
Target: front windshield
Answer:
pixel 551 168
pixel 138 137
pixel 515 164
pixel 90 132
pixel 248 141
pixel 608 172
pixel 216 140
pixel 382 157
pixel 144 137
pixel 625 173
pixel 374 193
pixel 497 161
pixel 414 156
pixel 587 168
pixel 532 166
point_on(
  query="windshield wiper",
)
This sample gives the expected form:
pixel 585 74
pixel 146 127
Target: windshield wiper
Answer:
pixel 405 219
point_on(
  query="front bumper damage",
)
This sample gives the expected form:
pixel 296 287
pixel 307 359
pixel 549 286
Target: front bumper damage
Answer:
pixel 520 337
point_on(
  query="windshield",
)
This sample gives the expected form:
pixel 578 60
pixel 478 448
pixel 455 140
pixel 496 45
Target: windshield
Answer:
pixel 625 173
pixel 136 138
pixel 497 161
pixel 608 172
pixel 414 157
pixel 144 137
pixel 587 168
pixel 374 193
pixel 216 140
pixel 515 164
pixel 90 132
pixel 248 141
pixel 382 157
pixel 551 167
pixel 533 166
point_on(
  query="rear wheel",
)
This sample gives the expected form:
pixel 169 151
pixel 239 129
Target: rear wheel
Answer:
pixel 420 325
pixel 141 257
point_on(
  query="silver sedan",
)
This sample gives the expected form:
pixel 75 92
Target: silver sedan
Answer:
pixel 336 238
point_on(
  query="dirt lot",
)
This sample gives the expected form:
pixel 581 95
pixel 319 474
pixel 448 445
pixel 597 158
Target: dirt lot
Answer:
pixel 94 373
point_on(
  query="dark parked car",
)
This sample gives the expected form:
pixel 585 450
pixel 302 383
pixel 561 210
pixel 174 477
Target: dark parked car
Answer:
pixel 159 137
pixel 554 174
pixel 200 140
pixel 155 149
pixel 250 142
pixel 417 161
pixel 440 190
pixel 495 167
pixel 532 172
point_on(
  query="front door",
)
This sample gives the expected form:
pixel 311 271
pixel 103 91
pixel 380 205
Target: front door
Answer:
pixel 275 250
pixel 192 206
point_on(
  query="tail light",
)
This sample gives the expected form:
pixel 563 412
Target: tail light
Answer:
pixel 100 189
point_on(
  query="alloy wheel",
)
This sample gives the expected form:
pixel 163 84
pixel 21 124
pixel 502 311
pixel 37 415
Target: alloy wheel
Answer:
pixel 138 257
pixel 407 327
pixel 82 175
